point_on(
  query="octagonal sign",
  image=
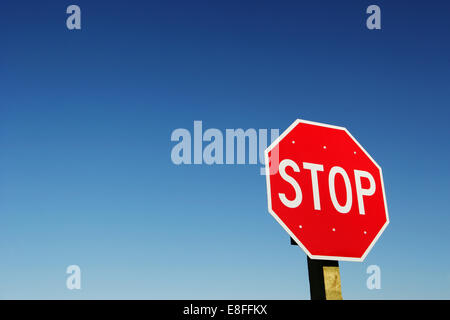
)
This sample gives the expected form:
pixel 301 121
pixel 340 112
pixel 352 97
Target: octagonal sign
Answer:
pixel 326 191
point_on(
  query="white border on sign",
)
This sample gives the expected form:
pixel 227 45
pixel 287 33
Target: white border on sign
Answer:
pixel 269 202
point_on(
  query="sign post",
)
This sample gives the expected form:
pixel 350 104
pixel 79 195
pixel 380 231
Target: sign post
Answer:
pixel 324 279
pixel 327 192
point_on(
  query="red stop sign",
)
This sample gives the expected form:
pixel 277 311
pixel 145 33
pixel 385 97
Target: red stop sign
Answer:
pixel 326 191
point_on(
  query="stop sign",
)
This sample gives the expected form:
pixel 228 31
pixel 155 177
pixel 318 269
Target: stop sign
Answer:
pixel 326 191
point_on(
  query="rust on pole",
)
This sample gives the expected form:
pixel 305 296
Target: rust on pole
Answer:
pixel 332 280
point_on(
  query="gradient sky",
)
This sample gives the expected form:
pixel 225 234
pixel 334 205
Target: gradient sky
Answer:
pixel 86 117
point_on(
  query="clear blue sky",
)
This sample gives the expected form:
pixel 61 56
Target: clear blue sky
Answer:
pixel 86 117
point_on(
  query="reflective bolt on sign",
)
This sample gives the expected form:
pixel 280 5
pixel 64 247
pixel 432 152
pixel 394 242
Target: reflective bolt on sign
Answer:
pixel 326 191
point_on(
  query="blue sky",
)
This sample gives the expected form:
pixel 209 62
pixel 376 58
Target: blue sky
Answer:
pixel 86 117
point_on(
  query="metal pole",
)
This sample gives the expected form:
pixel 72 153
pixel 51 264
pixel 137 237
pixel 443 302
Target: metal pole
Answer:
pixel 324 279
